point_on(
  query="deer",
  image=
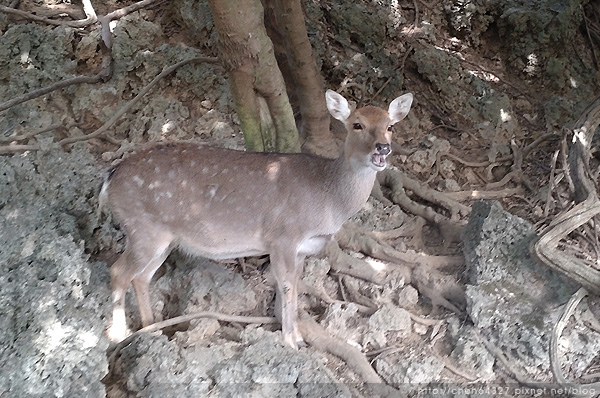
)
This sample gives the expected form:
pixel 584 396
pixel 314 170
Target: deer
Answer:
pixel 223 204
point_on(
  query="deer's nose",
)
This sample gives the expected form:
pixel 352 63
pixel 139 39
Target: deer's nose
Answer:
pixel 383 149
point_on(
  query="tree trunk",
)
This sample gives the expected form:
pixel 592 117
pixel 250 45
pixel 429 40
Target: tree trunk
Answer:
pixel 306 76
pixel 256 82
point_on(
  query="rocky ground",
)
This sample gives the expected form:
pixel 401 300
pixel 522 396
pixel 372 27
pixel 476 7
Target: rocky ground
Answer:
pixel 483 75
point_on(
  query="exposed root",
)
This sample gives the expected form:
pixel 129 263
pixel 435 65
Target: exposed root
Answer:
pixel 516 173
pixel 186 318
pixel 450 228
pixel 317 337
pixel 587 205
pixel 323 296
pixel 106 126
pixel 87 7
pixel 348 265
pixel 476 194
pixel 497 353
pixel 556 332
pixel 357 239
pixel 443 290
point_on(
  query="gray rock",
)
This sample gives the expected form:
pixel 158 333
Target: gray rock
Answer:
pixel 260 366
pixel 512 300
pixel 53 299
pixel 409 366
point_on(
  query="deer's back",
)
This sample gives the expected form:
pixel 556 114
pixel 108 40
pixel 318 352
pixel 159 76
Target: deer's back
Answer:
pixel 221 203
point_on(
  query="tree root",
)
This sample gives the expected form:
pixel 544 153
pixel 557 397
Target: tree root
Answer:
pixel 587 206
pixel 317 337
pixel 556 332
pixel 348 265
pixel 104 74
pixel 90 19
pixel 186 318
pixel 353 238
pixel 450 228
pixel 106 126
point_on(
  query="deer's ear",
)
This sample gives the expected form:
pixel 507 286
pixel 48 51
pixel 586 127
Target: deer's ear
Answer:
pixel 399 108
pixel 337 105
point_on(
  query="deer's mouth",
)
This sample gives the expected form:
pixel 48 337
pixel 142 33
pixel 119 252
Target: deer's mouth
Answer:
pixel 378 160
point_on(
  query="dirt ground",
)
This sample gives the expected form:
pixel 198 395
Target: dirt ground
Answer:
pixel 447 299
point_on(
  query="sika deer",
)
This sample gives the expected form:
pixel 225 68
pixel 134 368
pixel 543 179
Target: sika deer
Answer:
pixel 222 204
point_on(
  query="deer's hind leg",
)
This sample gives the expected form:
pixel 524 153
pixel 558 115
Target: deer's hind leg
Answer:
pixel 136 266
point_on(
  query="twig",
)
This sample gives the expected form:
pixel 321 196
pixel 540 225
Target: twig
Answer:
pixel 389 79
pixel 460 58
pixel 121 111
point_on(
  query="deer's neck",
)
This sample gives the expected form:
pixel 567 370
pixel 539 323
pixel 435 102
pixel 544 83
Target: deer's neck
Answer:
pixel 351 184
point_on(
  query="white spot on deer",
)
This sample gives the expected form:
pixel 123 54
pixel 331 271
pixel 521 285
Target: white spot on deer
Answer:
pixel 171 174
pixel 169 194
pixel 154 185
pixel 157 169
pixel 184 183
pixel 225 171
pixel 192 163
pixel 138 180
pixel 212 191
pixel 205 170
pixel 273 170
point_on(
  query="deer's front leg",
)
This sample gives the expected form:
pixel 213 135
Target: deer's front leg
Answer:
pixel 287 267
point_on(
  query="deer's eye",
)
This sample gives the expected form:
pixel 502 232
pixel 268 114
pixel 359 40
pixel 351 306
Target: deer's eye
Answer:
pixel 389 128
pixel 357 126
